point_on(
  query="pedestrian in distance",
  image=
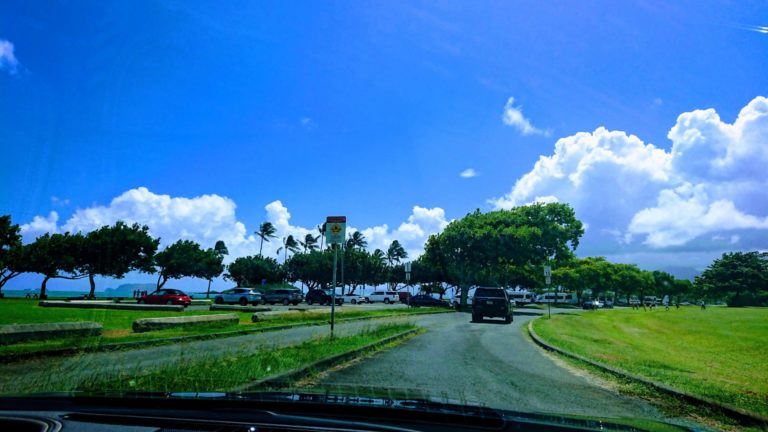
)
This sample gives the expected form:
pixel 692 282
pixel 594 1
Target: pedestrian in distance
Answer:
pixel 703 306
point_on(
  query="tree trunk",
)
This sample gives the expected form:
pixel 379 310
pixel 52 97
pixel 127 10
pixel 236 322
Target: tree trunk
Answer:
pixel 43 296
pixel 261 245
pixel 208 293
pixel 161 280
pixel 93 286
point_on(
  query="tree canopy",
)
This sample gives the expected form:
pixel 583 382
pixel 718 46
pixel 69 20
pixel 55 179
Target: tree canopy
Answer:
pixel 741 278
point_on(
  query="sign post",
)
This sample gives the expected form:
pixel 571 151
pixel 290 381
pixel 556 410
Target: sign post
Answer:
pixel 408 279
pixel 335 227
pixel 548 280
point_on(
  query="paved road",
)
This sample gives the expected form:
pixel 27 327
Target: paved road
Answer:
pixel 488 363
pixel 64 373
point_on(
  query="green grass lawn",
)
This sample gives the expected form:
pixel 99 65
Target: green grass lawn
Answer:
pixel 719 353
pixel 215 372
pixel 117 323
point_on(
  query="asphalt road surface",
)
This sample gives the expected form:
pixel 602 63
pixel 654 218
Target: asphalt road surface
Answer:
pixel 489 363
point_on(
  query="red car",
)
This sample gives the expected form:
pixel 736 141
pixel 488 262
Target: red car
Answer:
pixel 166 296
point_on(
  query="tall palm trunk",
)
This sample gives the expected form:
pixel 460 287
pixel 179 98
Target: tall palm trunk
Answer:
pixel 261 245
pixel 208 293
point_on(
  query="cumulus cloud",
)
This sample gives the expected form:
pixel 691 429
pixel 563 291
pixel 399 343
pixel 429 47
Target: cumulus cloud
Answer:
pixel 513 116
pixel 468 173
pixel 209 218
pixel 713 179
pixel 8 59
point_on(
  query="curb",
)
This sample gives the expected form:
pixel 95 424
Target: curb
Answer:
pixel 326 363
pixel 732 411
pixel 168 341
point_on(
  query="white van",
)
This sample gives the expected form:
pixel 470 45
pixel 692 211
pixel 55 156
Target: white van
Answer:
pixel 561 297
pixel 521 297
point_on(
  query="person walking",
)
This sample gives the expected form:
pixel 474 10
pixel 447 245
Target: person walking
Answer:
pixel 703 306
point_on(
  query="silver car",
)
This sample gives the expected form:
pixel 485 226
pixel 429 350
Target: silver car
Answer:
pixel 239 295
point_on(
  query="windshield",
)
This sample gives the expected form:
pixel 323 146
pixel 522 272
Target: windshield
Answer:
pixel 177 177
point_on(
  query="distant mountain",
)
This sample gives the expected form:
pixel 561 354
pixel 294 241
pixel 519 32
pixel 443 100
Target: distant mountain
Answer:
pixel 126 290
pixel 681 272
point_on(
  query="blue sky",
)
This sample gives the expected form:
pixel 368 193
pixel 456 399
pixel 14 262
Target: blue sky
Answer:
pixel 371 108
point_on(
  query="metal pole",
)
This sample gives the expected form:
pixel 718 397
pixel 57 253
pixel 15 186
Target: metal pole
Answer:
pixel 343 252
pixel 333 293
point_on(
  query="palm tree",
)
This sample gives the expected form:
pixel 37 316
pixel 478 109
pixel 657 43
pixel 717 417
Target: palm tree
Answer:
pixel 380 256
pixel 321 230
pixel 221 248
pixel 289 244
pixel 266 231
pixel 356 240
pixel 310 242
pixel 396 252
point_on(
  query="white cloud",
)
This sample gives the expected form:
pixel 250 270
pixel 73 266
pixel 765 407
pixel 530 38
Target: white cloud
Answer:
pixel 7 58
pixel 713 179
pixel 468 173
pixel 658 102
pixel 40 225
pixel 59 201
pixel 208 218
pixel 513 116
pixel 307 123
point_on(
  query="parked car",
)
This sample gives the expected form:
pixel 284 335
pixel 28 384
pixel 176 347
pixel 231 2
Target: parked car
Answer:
pixel 456 299
pixel 429 301
pixel 382 296
pixel 322 297
pixel 592 304
pixel 352 298
pixel 167 297
pixel 492 303
pixel 239 295
pixel 284 296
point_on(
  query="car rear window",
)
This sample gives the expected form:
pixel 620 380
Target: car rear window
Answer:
pixel 489 292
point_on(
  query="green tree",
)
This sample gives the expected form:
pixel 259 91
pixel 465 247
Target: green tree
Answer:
pixel 503 244
pixel 181 259
pixel 741 278
pixel 266 232
pixel 251 270
pixel 53 256
pixel 211 266
pixel 221 248
pixel 10 250
pixel 113 251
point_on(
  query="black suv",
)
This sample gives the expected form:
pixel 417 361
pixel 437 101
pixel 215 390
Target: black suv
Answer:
pixel 493 303
pixel 322 297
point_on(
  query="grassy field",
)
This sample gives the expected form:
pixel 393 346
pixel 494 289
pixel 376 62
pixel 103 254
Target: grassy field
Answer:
pixel 211 372
pixel 117 323
pixel 719 353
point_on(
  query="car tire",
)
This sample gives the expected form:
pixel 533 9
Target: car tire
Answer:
pixel 271 303
pixel 309 302
pixel 508 320
pixel 243 301
pixel 353 301
pixel 386 301
pixel 295 303
pixel 169 302
pixel 140 301
pixel 286 302
pixel 476 318
pixel 218 300
pixel 263 302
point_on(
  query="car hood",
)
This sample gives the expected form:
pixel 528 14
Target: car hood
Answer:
pixel 368 404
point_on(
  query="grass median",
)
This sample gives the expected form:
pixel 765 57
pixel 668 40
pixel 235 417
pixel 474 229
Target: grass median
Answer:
pixel 212 372
pixel 117 323
pixel 718 353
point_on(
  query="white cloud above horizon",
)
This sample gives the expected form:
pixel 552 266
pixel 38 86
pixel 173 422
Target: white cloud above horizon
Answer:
pixel 513 116
pixel 468 173
pixel 209 218
pixel 713 179
pixel 7 57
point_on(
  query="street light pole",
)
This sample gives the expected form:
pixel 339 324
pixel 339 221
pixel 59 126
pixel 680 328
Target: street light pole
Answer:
pixel 333 293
